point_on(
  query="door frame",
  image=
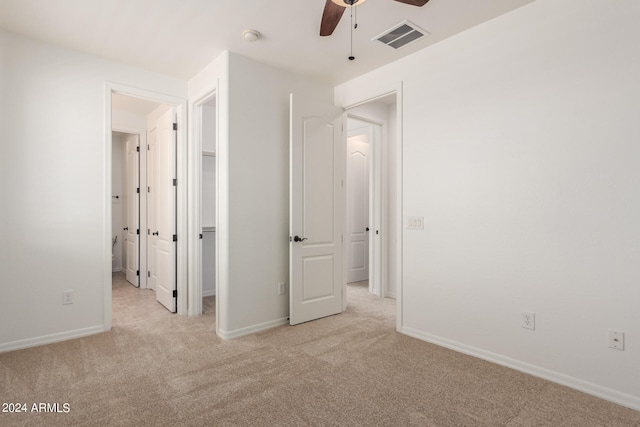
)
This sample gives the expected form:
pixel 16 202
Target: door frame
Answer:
pixel 377 266
pixel 181 202
pixel 398 92
pixel 142 201
pixel 195 189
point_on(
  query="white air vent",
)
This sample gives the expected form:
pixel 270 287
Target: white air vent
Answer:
pixel 401 35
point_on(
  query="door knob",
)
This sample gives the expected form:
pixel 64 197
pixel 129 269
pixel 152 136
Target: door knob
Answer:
pixel 126 228
pixel 155 233
pixel 299 239
pixel 367 228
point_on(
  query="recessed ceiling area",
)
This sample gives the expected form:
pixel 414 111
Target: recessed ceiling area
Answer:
pixel 180 38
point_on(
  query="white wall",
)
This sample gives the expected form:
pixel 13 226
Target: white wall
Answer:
pixel 520 149
pixel 259 189
pixel 128 121
pixel 118 215
pixel 209 126
pixel 55 231
pixel 208 199
pixel 208 263
pixel 253 189
pixel 213 79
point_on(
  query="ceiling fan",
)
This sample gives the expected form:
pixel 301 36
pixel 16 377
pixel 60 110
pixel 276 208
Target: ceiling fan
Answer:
pixel 333 10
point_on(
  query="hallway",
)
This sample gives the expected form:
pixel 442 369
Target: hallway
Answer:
pixel 138 308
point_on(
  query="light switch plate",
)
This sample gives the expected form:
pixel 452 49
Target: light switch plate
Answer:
pixel 415 223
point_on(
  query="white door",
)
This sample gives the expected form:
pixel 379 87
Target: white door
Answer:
pixel 152 223
pixel 316 219
pixel 165 211
pixel 133 210
pixel 358 225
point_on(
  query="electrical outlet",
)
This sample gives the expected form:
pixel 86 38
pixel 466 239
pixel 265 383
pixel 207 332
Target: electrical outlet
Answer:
pixel 616 339
pixel 67 297
pixel 282 288
pixel 529 321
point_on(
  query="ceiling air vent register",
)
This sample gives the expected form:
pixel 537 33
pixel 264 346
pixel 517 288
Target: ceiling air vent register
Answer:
pixel 401 35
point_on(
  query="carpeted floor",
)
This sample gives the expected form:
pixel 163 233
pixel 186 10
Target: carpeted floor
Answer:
pixel 155 368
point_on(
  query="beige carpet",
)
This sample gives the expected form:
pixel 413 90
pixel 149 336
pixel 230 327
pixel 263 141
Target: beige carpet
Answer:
pixel 157 369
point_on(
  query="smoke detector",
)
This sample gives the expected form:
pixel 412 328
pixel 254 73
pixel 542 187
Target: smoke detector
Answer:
pixel 250 35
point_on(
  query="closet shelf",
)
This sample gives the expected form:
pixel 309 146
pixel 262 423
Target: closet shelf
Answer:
pixel 209 229
pixel 208 153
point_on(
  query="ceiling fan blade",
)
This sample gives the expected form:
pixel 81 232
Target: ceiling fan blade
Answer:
pixel 330 18
pixel 418 3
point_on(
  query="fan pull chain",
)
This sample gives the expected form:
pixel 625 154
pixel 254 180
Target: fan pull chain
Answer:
pixel 355 14
pixel 351 57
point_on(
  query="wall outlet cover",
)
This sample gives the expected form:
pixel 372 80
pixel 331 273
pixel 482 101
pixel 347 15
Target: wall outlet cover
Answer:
pixel 616 339
pixel 67 297
pixel 528 321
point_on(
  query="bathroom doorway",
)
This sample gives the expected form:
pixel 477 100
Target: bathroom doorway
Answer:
pixel 144 200
pixel 125 206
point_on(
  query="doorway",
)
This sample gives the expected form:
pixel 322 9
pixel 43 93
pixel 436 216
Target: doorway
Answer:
pixel 143 172
pixel 363 225
pixel 371 193
pixel 125 206
pixel 204 273
pixel 318 265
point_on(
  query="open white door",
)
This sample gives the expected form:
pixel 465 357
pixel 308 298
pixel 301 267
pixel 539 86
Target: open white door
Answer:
pixel 165 210
pixel 133 210
pixel 358 224
pixel 316 220
pixel 152 209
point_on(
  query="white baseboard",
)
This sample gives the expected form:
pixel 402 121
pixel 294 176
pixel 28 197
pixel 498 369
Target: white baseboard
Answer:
pixel 209 293
pixel 50 339
pixel 227 335
pixel 605 393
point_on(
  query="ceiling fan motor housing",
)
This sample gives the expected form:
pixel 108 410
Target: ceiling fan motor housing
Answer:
pixel 347 3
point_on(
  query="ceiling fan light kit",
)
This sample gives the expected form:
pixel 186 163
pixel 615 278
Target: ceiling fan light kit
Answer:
pixel 348 3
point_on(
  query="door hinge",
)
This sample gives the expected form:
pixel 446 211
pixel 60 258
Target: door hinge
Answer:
pixel 175 237
pixel 148 274
pixel 175 126
pixel 138 190
pixel 148 147
pixel 137 272
pixel 175 182
pixel 148 189
pixel 175 293
pixel 201 235
pixel 148 231
pixel 138 231
pixel 138 148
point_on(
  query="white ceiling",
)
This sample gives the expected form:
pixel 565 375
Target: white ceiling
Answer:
pixel 180 37
pixel 137 106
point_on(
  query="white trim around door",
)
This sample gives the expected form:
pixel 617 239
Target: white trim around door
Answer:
pixel 181 264
pixel 397 207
